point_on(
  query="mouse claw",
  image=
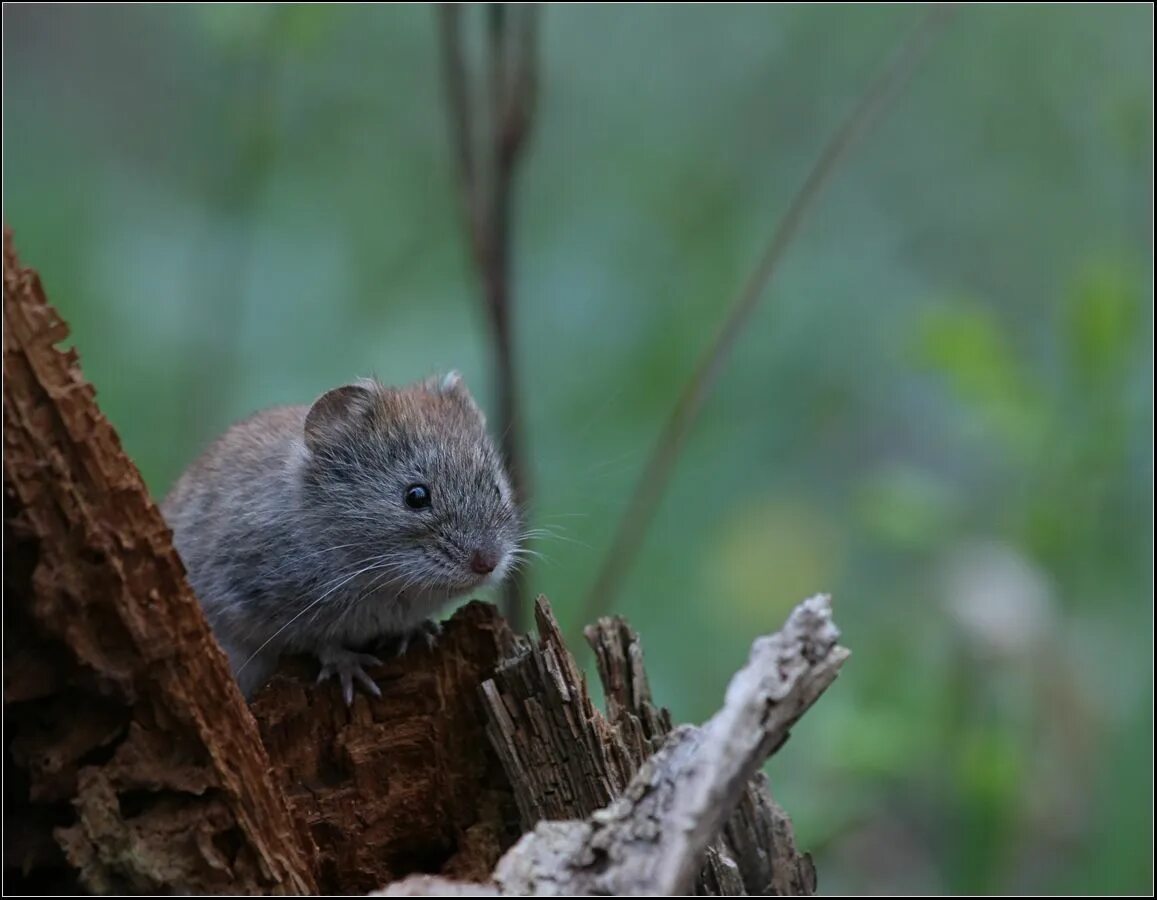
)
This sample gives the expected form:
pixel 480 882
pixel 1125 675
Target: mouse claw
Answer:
pixel 427 630
pixel 347 666
pixel 368 683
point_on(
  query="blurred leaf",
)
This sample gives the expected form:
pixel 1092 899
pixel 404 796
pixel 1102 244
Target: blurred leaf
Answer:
pixel 235 26
pixel 970 347
pixel 907 507
pixel 1103 316
pixel 880 741
pixel 990 767
pixel 306 27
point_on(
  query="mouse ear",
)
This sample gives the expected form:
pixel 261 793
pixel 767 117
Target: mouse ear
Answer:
pixel 333 412
pixel 452 385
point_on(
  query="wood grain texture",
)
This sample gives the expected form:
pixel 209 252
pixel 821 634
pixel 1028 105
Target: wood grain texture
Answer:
pixel 541 713
pixel 134 765
pixel 653 837
pixel 401 783
pixel 132 761
pixel 755 853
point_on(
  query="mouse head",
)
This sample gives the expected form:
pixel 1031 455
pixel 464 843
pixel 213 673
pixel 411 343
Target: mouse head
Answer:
pixel 412 474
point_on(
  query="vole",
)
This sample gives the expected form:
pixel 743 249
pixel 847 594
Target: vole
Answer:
pixel 320 529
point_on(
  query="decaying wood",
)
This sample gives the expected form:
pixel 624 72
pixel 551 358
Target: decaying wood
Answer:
pixel 564 758
pixel 755 853
pixel 540 709
pixel 651 840
pixel 132 763
pixel 405 782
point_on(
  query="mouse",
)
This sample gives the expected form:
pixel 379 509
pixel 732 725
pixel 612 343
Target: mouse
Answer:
pixel 331 528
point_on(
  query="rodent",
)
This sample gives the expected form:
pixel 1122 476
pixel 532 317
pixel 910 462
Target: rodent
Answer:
pixel 324 528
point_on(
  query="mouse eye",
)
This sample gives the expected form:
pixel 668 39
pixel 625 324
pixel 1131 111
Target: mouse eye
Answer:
pixel 417 496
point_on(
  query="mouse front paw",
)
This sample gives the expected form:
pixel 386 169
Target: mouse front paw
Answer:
pixel 427 632
pixel 346 666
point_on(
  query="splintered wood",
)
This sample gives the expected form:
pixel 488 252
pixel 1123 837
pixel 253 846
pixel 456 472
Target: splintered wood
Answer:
pixel 400 783
pixel 661 832
pixel 132 763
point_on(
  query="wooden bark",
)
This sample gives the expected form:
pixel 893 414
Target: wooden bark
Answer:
pixel 403 783
pixel 134 765
pixel 755 853
pixel 652 838
pixel 540 710
pixel 132 762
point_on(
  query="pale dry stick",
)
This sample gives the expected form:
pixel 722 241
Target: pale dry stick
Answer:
pixel 657 471
pixel 650 840
pixel 486 178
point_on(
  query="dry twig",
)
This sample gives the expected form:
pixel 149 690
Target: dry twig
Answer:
pixel 651 839
pixel 657 471
pixel 487 162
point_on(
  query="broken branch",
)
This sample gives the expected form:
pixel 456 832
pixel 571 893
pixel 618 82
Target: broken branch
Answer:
pixel 651 839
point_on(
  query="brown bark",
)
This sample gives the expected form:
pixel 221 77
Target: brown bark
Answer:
pixel 566 760
pixel 654 836
pixel 132 762
pixel 402 783
pixel 756 852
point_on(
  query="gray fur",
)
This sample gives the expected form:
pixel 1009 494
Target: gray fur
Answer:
pixel 294 532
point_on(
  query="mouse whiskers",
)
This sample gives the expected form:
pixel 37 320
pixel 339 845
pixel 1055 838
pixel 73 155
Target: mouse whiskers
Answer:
pixel 334 585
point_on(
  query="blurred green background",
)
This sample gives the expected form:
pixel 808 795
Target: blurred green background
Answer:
pixel 941 414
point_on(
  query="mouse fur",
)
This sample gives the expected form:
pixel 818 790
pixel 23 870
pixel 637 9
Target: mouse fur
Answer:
pixel 297 532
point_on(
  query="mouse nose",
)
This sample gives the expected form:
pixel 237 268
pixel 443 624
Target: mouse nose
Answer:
pixel 484 562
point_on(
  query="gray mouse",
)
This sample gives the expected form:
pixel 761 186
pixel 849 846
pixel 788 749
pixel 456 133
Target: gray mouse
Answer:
pixel 322 529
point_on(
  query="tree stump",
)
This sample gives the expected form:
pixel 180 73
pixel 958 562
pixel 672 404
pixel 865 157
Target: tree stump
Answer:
pixel 134 765
pixel 401 783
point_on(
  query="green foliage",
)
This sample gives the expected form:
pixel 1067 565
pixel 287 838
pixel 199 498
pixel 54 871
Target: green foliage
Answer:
pixel 970 348
pixel 1104 318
